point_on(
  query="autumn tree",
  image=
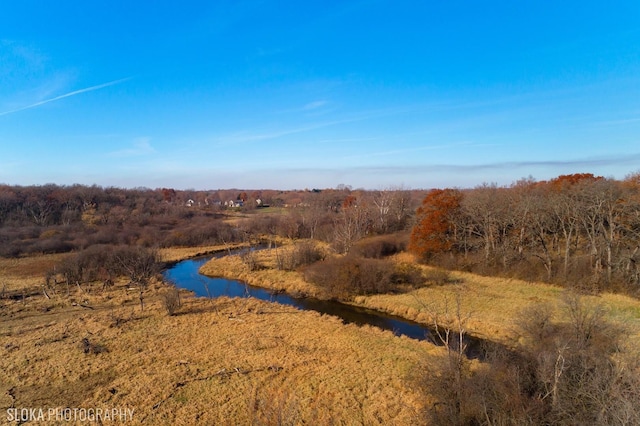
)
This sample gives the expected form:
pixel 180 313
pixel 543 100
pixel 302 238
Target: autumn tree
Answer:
pixel 168 194
pixel 39 204
pixel 435 230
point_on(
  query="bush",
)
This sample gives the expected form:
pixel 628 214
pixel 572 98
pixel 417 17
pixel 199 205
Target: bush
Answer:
pixel 51 245
pixel 440 277
pixel 92 348
pixel 349 276
pixel 302 254
pixel 137 263
pixel 250 260
pixel 408 274
pixel 104 262
pixel 381 246
pixel 171 300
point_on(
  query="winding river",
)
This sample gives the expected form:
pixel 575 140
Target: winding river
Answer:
pixel 184 274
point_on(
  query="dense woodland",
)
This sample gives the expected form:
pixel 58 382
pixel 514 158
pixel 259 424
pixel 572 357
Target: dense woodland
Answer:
pixel 52 219
pixel 576 230
pixel 580 230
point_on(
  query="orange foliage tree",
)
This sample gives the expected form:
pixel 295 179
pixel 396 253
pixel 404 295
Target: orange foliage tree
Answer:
pixel 563 182
pixel 435 227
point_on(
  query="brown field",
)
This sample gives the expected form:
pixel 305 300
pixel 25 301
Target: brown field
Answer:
pixel 490 304
pixel 493 304
pixel 26 272
pixel 224 361
pixel 240 361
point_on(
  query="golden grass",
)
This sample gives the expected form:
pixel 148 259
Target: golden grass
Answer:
pixel 174 254
pixel 493 305
pixel 26 272
pixel 490 304
pixel 221 361
pixel 268 276
pixel 240 361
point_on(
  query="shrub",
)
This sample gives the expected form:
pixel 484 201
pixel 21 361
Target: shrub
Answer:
pixel 103 262
pixel 138 263
pixel 171 300
pixel 408 274
pixel 302 254
pixel 92 348
pixel 439 277
pixel 51 245
pixel 381 246
pixel 348 276
pixel 250 260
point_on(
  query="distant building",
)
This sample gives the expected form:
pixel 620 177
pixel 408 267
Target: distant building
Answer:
pixel 234 203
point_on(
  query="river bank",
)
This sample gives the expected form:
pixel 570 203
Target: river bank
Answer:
pixel 489 306
pixel 176 254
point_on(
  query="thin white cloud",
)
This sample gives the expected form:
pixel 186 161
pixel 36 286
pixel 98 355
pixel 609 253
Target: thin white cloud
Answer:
pixel 141 146
pixel 314 105
pixel 243 137
pixel 407 150
pixel 18 55
pixel 66 95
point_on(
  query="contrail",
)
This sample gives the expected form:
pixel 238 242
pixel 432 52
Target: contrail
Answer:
pixel 66 95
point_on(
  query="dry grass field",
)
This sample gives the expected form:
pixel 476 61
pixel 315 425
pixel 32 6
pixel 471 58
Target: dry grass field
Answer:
pixel 26 273
pixel 174 254
pixel 490 305
pixel 223 361
pixel 241 361
pixel 494 305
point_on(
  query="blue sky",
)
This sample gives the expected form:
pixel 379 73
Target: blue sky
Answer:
pixel 313 94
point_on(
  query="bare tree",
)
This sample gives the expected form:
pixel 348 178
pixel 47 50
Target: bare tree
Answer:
pixel 487 206
pixel 450 385
pixel 351 223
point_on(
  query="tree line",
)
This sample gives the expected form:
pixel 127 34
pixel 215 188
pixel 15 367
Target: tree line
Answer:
pixel 53 218
pixel 58 219
pixel 577 228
